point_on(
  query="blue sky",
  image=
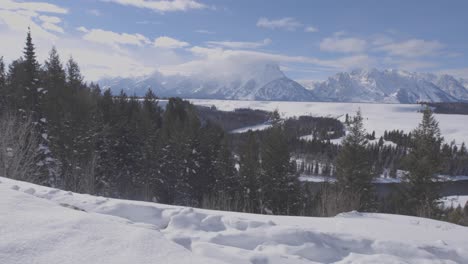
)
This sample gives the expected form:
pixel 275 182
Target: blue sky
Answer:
pixel 310 40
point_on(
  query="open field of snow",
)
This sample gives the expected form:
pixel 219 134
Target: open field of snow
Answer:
pixel 252 128
pixel 382 178
pixel 46 225
pixel 377 117
pixel 454 201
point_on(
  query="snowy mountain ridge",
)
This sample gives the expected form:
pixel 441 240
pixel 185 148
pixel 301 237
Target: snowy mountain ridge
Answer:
pixel 267 82
pixel 390 86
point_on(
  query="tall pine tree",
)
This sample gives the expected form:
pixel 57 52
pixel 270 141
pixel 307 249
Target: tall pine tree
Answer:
pixel 423 163
pixel 353 169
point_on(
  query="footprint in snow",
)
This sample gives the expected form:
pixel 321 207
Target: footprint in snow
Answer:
pixel 30 191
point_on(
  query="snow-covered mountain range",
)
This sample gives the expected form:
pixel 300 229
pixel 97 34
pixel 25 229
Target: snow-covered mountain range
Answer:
pixel 266 82
pixel 269 83
pixel 390 86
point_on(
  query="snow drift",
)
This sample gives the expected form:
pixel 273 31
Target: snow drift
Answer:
pixel 46 225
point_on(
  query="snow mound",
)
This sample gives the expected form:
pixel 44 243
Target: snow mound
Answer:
pixel 46 225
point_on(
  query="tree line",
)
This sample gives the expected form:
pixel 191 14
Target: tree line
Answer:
pixel 59 131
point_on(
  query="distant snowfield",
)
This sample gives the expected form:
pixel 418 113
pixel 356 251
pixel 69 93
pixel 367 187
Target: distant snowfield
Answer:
pixel 454 201
pixel 382 179
pixel 252 128
pixel 47 226
pixel 377 117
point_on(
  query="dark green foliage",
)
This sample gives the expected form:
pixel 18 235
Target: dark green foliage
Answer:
pixel 249 172
pixel 3 79
pixel 278 185
pixel 353 169
pixel 422 163
pixel 127 147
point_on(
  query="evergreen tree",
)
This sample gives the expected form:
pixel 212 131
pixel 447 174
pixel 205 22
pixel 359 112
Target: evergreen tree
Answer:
pixel 226 180
pixel 2 85
pixel 151 125
pixel 423 163
pixel 74 77
pixel 31 82
pixel 249 171
pixel 353 169
pixel 278 182
pixel 53 124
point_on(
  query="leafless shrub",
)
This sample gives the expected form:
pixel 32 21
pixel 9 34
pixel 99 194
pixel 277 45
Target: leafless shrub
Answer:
pixel 222 201
pixel 18 147
pixel 334 201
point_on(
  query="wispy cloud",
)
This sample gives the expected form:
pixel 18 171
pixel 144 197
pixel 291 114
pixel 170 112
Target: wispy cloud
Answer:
pixel 240 44
pixel 412 48
pixel 311 29
pixel 169 43
pixel 147 22
pixel 338 43
pixel 162 6
pixel 219 61
pixel 204 31
pixel 286 23
pixel 32 6
pixel 18 16
pixel 113 38
pixel 51 23
pixel 82 29
pixel 94 12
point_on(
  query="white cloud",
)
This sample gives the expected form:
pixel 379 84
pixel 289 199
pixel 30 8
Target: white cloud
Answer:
pixel 32 6
pixel 286 23
pixel 162 6
pixel 50 23
pixel 17 21
pixel 94 12
pixel 82 29
pixel 50 19
pixel 412 48
pixel 169 43
pixel 240 44
pixel 18 16
pixel 337 43
pixel 204 31
pixel 97 63
pixel 146 22
pixel 380 40
pixel 113 38
pixel 218 61
pixel 52 27
pixel 311 29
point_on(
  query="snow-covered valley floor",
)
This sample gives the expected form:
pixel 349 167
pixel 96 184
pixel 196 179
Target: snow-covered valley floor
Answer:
pixel 46 225
pixel 377 117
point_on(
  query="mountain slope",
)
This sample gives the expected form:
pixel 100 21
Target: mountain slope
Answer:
pixel 49 226
pixel 266 82
pixel 389 86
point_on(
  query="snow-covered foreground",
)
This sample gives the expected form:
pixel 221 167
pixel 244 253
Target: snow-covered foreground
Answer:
pixel 45 225
pixel 377 117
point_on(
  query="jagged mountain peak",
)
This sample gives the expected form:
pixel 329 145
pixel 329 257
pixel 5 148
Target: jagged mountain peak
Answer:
pixel 268 82
pixel 390 86
pixel 252 82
